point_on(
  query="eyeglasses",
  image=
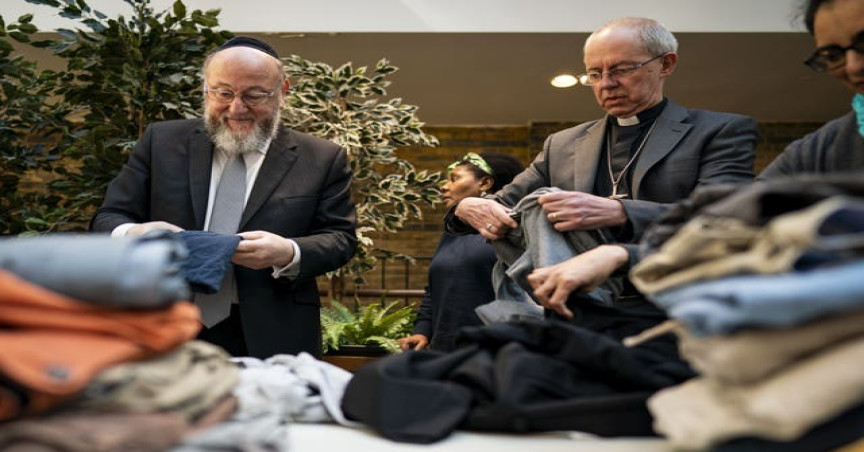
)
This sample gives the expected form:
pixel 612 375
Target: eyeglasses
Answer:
pixel 592 78
pixel 473 159
pixel 832 57
pixel 224 96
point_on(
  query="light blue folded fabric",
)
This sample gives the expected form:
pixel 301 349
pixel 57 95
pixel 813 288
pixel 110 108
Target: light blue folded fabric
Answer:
pixel 123 272
pixel 728 304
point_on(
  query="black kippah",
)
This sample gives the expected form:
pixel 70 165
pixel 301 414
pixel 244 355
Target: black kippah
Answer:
pixel 246 41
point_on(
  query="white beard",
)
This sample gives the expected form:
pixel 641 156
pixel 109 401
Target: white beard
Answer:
pixel 225 139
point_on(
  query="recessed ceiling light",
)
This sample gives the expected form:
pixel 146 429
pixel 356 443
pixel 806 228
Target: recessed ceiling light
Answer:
pixel 564 81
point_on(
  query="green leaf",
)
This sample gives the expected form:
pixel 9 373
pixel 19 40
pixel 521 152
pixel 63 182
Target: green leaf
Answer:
pixel 66 33
pixel 94 25
pixel 18 36
pixel 71 12
pixel 179 9
pixel 28 28
pixel 52 3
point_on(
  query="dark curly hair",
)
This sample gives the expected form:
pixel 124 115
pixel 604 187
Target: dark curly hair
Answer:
pixel 808 11
pixel 505 167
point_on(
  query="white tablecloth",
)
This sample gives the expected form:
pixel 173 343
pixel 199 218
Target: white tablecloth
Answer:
pixel 327 437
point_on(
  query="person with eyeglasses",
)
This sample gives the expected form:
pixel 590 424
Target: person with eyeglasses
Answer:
pixel 238 170
pixel 618 173
pixel 621 171
pixel 460 273
pixel 837 27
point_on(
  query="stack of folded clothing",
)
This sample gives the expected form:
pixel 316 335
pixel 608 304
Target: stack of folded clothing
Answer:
pixel 767 288
pixel 96 352
pixel 95 347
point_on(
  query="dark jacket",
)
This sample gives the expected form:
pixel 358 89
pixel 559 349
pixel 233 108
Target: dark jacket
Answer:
pixel 302 192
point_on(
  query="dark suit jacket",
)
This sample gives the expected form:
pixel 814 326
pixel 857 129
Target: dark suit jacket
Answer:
pixel 302 192
pixel 686 149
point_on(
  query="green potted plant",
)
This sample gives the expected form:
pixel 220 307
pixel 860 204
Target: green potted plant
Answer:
pixel 351 337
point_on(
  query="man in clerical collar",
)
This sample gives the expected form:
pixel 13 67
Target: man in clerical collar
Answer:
pixel 618 173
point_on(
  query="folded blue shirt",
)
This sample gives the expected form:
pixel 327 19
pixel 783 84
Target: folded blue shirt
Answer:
pixel 209 258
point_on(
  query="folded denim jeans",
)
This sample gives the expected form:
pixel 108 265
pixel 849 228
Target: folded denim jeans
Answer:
pixel 125 272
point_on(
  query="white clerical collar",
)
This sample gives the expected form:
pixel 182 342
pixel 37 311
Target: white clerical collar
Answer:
pixel 631 121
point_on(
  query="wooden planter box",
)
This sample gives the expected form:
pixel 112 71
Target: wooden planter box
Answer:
pixel 352 357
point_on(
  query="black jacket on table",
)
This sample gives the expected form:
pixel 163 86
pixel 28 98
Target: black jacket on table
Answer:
pixel 523 376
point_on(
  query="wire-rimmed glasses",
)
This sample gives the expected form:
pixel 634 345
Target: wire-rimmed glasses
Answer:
pixel 594 77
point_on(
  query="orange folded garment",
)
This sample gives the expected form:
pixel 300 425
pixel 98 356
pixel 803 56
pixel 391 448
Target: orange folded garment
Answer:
pixel 51 345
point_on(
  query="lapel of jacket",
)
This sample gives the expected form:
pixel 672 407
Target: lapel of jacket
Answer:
pixel 586 155
pixel 200 166
pixel 280 157
pixel 669 129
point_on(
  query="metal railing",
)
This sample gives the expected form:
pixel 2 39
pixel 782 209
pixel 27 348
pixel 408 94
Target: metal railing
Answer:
pixel 385 278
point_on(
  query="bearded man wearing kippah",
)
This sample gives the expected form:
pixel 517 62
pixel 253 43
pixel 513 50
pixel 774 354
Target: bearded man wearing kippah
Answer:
pixel 289 201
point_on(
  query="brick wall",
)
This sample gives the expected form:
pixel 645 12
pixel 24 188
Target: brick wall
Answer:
pixel 420 237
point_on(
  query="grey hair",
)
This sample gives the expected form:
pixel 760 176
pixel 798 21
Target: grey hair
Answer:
pixel 656 39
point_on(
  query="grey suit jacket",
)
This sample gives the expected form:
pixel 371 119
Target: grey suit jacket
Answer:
pixel 836 147
pixel 302 192
pixel 686 149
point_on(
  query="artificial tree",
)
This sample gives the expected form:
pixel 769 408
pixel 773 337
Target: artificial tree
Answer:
pixel 26 125
pixel 347 106
pixel 120 74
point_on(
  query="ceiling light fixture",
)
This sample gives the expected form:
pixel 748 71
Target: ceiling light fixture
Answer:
pixel 564 81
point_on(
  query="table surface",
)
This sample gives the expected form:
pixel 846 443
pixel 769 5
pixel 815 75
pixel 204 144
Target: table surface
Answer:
pixel 327 437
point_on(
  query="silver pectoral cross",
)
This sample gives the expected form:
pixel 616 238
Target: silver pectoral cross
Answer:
pixel 615 194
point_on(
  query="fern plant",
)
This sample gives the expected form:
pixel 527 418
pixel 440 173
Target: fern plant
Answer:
pixel 373 324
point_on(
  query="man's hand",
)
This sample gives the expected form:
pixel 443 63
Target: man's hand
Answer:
pixel 414 342
pixel 143 228
pixel 574 210
pixel 552 285
pixel 489 218
pixel 261 249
